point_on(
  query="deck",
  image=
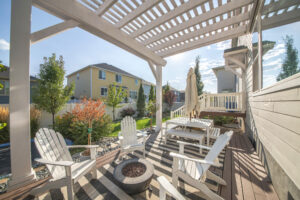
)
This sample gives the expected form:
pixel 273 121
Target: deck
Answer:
pixel 242 170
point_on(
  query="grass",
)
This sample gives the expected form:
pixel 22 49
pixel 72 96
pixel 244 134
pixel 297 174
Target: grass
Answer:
pixel 141 123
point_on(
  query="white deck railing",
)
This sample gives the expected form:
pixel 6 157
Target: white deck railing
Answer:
pixel 216 102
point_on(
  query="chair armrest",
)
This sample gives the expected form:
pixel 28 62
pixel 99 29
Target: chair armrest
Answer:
pixel 196 145
pixel 169 188
pixel 57 163
pixel 141 133
pixel 193 159
pixel 120 136
pixel 83 146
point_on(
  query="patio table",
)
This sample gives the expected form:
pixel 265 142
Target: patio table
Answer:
pixel 186 122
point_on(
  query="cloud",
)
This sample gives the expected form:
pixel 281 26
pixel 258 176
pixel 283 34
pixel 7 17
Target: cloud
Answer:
pixel 223 45
pixel 278 50
pixel 269 80
pixel 4 45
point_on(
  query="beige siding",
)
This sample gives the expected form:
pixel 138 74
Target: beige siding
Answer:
pixel 82 85
pixel 273 121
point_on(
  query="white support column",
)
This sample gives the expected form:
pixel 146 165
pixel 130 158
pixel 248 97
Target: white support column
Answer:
pixel 19 96
pixel 158 98
pixel 260 70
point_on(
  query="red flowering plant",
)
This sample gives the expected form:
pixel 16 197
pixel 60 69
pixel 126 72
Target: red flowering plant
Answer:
pixel 88 111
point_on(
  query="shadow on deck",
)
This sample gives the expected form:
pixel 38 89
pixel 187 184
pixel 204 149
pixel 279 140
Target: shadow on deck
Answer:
pixel 242 170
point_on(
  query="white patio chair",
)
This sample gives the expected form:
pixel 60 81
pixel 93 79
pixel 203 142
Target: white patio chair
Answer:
pixel 195 171
pixel 56 156
pixel 129 136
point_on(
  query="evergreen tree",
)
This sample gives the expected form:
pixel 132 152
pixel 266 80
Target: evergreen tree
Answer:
pixel 51 94
pixel 151 95
pixel 141 102
pixel 199 82
pixel 290 63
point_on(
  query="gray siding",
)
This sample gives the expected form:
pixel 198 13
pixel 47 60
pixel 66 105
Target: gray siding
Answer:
pixel 226 81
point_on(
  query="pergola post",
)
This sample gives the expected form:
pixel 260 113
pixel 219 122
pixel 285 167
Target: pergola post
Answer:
pixel 19 94
pixel 158 98
pixel 259 51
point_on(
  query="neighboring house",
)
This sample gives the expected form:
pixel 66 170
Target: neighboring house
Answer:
pixel 93 81
pixel 226 80
pixel 4 92
pixel 179 94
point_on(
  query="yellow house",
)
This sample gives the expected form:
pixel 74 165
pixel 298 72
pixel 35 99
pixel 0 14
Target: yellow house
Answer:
pixel 94 80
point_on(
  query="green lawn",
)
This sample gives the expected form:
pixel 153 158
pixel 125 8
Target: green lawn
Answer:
pixel 140 123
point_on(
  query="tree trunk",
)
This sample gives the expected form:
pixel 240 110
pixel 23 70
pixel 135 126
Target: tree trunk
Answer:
pixel 113 113
pixel 53 120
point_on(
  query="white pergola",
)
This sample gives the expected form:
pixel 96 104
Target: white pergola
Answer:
pixel 150 29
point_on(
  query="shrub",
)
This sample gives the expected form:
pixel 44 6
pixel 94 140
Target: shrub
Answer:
pixel 77 130
pixel 127 112
pixel 35 116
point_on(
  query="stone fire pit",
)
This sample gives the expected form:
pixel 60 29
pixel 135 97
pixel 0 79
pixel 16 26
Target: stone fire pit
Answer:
pixel 134 175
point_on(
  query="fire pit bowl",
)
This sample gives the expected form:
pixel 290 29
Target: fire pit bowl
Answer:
pixel 134 175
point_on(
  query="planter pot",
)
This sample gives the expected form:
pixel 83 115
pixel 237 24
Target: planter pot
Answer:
pixel 134 185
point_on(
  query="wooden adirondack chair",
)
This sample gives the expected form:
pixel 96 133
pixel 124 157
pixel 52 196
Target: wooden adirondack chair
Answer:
pixel 195 171
pixel 129 136
pixel 56 156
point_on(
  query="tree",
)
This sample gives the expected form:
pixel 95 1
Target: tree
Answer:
pixel 2 69
pixel 115 96
pixel 169 98
pixel 89 111
pixel 151 94
pixel 141 102
pixel 151 108
pixel 51 94
pixel 199 82
pixel 290 63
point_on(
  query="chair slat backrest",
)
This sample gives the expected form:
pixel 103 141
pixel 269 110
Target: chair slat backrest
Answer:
pixel 216 149
pixel 128 131
pixel 52 147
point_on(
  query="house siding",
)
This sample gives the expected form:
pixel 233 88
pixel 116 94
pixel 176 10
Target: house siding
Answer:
pixel 82 85
pixel 272 123
pixel 226 81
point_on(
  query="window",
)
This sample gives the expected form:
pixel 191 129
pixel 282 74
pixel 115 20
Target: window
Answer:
pixel 103 91
pixel 133 94
pixel 136 81
pixel 102 75
pixel 5 89
pixel 77 76
pixel 118 78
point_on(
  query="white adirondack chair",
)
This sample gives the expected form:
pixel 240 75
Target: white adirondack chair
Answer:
pixel 129 136
pixel 195 171
pixel 56 156
pixel 166 187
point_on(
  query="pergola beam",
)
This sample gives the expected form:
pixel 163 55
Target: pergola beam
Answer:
pixel 203 31
pixel 218 37
pixel 90 22
pixel 52 30
pixel 168 16
pixel 282 19
pixel 199 19
pixel 137 12
pixel 66 25
pixel 276 6
pixel 153 69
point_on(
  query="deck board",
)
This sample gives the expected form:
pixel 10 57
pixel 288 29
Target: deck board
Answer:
pixel 242 170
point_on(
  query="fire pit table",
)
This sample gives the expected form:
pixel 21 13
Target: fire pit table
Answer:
pixel 134 175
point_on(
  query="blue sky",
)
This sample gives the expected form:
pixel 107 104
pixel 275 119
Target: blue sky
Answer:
pixel 80 48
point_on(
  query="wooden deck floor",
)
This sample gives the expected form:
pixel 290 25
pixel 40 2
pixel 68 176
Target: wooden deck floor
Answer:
pixel 242 171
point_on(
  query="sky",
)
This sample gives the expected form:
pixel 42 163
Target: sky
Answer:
pixel 80 48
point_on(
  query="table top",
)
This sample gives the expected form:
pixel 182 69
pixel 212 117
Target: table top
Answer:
pixel 195 123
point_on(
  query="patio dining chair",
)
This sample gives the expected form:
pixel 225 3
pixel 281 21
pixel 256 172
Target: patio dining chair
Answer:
pixel 195 171
pixel 56 156
pixel 129 136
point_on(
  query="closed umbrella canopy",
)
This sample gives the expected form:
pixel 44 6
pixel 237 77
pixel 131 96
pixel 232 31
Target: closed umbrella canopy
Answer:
pixel 191 94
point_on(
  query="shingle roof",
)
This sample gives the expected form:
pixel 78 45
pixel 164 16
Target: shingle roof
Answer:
pixel 108 67
pixel 5 74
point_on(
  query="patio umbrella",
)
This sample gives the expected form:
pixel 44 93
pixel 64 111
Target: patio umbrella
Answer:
pixel 191 94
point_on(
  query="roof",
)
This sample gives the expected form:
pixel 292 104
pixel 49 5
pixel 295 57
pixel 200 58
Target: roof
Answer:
pixel 215 69
pixel 147 82
pixel 107 67
pixel 5 75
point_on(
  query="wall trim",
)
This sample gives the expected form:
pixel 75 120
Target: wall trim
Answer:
pixel 288 83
